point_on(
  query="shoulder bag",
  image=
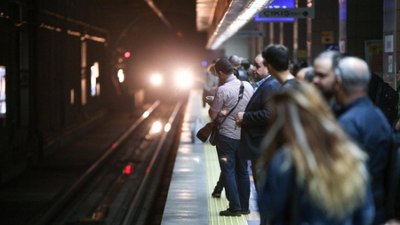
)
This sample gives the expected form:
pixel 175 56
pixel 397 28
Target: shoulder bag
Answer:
pixel 211 130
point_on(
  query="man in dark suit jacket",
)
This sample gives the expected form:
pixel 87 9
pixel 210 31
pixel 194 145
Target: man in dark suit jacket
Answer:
pixel 254 119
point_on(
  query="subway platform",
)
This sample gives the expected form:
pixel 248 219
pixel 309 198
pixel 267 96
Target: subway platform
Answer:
pixel 195 173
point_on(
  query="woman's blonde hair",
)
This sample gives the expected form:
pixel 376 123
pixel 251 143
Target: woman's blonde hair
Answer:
pixel 330 166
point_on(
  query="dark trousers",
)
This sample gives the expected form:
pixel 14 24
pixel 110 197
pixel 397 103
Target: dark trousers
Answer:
pixel 234 173
pixel 254 172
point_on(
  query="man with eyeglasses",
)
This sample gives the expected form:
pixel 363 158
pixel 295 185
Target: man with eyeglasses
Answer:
pixel 255 118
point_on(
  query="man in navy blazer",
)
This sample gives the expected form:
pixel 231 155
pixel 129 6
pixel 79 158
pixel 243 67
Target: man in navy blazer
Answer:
pixel 255 118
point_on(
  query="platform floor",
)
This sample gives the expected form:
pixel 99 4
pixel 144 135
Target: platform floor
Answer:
pixel 195 174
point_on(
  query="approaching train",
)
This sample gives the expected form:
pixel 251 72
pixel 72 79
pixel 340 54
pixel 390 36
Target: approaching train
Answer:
pixel 59 70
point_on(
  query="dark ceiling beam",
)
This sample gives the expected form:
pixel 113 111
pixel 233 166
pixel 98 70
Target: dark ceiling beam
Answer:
pixel 159 13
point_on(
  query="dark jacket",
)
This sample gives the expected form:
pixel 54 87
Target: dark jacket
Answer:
pixel 368 127
pixel 255 119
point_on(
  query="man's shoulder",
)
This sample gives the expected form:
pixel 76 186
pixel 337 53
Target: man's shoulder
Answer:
pixel 231 86
pixel 270 85
pixel 271 82
pixel 363 112
pixel 247 84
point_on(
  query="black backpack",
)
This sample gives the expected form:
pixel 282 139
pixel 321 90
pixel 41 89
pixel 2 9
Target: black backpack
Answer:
pixel 392 184
pixel 384 97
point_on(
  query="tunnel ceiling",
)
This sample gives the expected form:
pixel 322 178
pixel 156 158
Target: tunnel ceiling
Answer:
pixel 128 20
pixel 134 19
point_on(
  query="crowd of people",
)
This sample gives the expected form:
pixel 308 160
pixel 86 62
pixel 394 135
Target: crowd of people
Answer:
pixel 317 146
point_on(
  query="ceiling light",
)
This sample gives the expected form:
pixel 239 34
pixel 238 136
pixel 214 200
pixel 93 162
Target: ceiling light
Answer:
pixel 233 21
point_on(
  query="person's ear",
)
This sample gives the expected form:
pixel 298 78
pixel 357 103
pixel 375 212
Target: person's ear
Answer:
pixel 338 83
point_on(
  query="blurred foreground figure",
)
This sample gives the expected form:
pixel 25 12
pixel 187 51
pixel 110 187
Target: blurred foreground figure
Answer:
pixel 310 171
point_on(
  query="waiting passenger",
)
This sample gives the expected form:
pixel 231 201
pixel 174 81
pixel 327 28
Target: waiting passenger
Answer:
pixel 238 69
pixel 306 74
pixel 324 76
pixel 224 107
pixel 255 118
pixel 209 90
pixel 210 83
pixel 251 73
pixel 365 123
pixel 310 171
pixel 276 59
pixel 295 68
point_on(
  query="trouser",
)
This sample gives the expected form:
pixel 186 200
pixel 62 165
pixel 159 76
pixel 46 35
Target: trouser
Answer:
pixel 234 173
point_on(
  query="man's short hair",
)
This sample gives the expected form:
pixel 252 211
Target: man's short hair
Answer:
pixel 332 55
pixel 277 56
pixel 354 73
pixel 223 65
pixel 235 60
pixel 245 64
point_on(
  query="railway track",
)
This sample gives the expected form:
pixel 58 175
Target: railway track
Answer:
pixel 120 185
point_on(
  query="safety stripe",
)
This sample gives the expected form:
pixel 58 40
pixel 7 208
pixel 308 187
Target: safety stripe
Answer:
pixel 215 205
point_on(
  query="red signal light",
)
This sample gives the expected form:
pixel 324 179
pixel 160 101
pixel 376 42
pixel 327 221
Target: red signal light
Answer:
pixel 128 169
pixel 127 54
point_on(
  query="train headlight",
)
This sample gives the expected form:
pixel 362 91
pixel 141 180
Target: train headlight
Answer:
pixel 156 127
pixel 156 79
pixel 184 78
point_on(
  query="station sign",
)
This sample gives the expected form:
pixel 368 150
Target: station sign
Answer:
pixel 277 4
pixel 304 12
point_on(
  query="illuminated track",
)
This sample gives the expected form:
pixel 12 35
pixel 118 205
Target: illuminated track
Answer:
pixel 118 187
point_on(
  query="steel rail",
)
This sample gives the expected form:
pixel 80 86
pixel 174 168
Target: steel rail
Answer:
pixel 74 188
pixel 150 169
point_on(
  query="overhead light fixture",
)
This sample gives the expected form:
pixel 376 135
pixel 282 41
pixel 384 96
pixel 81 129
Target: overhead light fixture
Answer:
pixel 232 21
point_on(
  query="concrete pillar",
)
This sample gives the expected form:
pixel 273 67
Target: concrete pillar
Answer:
pixel 295 41
pixel 260 39
pixel 281 33
pixel 271 33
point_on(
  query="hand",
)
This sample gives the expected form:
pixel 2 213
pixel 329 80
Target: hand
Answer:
pixel 239 118
pixel 209 99
pixel 224 112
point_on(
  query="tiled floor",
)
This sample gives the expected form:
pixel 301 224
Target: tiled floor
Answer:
pixel 195 173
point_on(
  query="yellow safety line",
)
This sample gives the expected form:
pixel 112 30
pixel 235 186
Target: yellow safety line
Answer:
pixel 216 205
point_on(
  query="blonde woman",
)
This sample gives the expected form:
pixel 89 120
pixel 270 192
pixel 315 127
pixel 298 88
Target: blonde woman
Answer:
pixel 310 172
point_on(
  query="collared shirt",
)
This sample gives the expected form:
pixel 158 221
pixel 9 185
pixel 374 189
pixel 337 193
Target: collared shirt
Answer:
pixel 258 83
pixel 226 98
